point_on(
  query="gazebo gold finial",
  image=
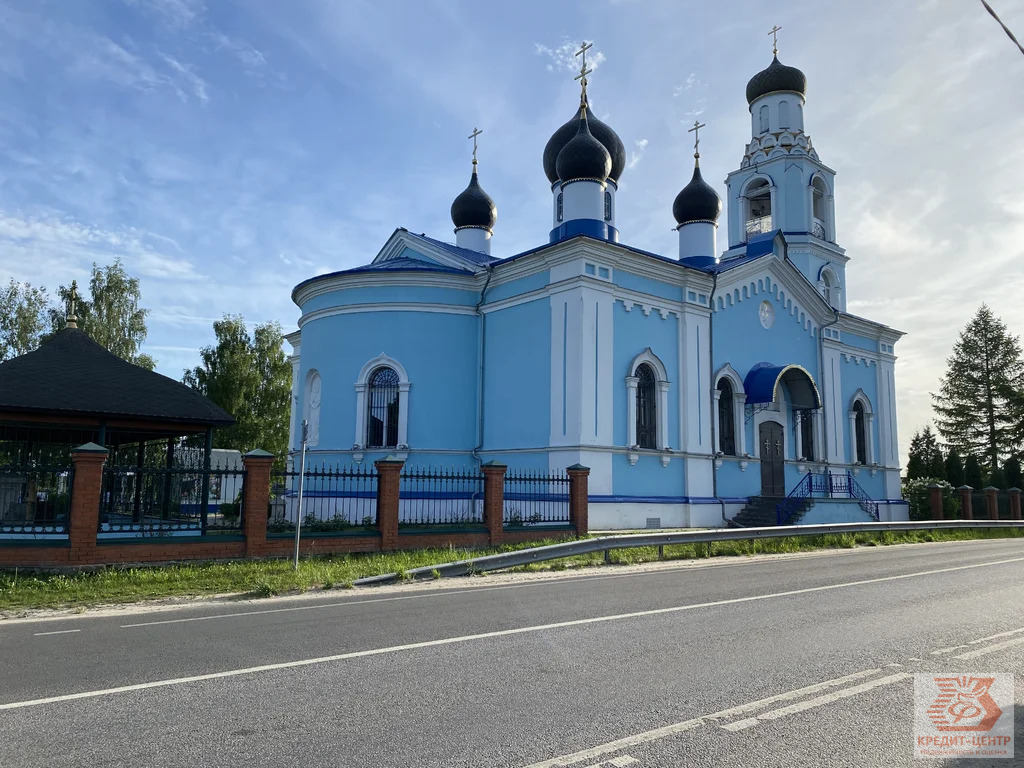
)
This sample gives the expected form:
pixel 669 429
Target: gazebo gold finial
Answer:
pixel 72 318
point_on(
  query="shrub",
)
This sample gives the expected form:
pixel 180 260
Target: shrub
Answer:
pixel 918 497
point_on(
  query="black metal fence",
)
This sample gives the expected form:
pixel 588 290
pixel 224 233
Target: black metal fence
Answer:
pixel 979 505
pixel 429 496
pixel 146 501
pixel 334 499
pixel 35 500
pixel 536 498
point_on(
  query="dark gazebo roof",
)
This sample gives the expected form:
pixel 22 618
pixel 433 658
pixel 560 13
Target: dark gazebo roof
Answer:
pixel 72 375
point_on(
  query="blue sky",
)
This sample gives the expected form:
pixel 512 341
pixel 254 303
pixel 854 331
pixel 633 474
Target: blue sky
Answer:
pixel 228 150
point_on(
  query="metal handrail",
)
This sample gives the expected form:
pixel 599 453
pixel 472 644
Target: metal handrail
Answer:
pixel 868 504
pixel 631 541
pixel 785 508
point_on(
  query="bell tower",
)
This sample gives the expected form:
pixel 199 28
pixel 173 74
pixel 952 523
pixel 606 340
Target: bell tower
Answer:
pixel 782 184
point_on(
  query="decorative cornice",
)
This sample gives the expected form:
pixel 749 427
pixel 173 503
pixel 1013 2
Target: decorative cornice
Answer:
pixel 349 309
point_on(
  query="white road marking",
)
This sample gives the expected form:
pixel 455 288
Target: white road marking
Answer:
pixel 944 651
pixel 990 649
pixel 59 632
pixel 489 635
pixel 687 725
pixel 820 701
pixel 616 762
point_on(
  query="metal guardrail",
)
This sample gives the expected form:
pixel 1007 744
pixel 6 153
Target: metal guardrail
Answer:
pixel 607 543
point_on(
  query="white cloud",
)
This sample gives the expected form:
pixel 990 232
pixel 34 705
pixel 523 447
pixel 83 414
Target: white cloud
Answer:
pixel 563 57
pixel 637 153
pixel 176 14
pixel 197 84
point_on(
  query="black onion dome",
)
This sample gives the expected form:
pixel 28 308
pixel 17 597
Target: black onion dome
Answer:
pixel 600 131
pixel 697 201
pixel 474 207
pixel 777 77
pixel 583 157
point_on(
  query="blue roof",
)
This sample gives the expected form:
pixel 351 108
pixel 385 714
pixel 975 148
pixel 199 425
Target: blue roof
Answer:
pixel 757 247
pixel 474 257
pixel 539 248
pixel 404 264
pixel 762 383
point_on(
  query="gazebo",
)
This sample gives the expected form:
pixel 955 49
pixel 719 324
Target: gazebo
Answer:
pixel 72 391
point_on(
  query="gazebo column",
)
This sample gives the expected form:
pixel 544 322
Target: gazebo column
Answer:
pixel 140 457
pixel 205 508
pixel 167 478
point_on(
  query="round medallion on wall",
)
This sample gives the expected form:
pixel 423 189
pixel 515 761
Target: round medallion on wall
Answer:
pixel 767 314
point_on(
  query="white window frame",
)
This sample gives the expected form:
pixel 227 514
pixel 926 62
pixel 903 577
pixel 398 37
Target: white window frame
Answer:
pixel 362 384
pixel 869 428
pixel 661 377
pixel 829 286
pixel 738 408
pixel 310 414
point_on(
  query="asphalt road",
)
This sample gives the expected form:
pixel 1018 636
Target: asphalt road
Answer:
pixel 799 661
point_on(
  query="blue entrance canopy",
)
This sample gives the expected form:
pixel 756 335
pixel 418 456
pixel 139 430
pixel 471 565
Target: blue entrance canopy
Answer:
pixel 762 385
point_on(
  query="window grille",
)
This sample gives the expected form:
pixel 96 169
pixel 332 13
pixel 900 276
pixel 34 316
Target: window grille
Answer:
pixel 726 418
pixel 382 407
pixel 861 438
pixel 807 435
pixel 646 415
pixel 607 206
pixel 558 207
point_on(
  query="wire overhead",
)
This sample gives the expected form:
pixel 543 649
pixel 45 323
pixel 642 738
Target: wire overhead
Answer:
pixel 1006 29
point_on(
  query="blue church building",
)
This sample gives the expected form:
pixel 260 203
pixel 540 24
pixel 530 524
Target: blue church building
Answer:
pixel 694 385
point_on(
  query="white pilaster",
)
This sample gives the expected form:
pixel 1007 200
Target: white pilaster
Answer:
pixel 798 417
pixel 631 385
pixel 853 436
pixel 870 447
pixel 834 450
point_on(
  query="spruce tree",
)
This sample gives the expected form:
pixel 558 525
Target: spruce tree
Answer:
pixel 924 458
pixel 976 405
pixel 972 472
pixel 954 469
pixel 1011 470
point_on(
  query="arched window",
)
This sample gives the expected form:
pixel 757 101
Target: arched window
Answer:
pixel 799 116
pixel 726 417
pixel 646 407
pixel 860 432
pixel 759 208
pixel 763 117
pixel 382 409
pixel 607 206
pixel 558 207
pixel 783 114
pixel 311 408
pixel 806 423
pixel 819 208
pixel 829 286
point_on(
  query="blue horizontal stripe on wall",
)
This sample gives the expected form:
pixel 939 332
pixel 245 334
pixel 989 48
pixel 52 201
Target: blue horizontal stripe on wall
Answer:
pixel 592 227
pixel 667 499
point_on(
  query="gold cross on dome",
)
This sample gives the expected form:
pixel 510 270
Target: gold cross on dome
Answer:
pixel 476 132
pixel 697 125
pixel 775 38
pixel 582 76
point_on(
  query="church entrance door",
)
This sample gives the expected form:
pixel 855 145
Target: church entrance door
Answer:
pixel 771 441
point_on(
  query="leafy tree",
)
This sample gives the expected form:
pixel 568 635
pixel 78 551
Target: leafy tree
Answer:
pixel 972 472
pixel 918 496
pixel 925 456
pixel 1012 471
pixel 22 318
pixel 954 468
pixel 111 316
pixel 250 378
pixel 976 405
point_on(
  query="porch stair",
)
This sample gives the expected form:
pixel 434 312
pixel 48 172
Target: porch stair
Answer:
pixel 761 511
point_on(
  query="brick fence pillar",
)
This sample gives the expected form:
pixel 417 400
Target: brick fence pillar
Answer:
pixel 578 498
pixel 965 502
pixel 935 499
pixel 1015 503
pixel 256 501
pixel 86 491
pixel 991 503
pixel 389 477
pixel 494 500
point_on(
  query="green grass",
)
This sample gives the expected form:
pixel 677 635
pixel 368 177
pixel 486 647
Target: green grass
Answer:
pixel 265 578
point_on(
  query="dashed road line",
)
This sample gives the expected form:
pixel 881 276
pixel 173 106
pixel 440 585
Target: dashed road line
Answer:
pixel 57 632
pixel 985 650
pixel 820 701
pixel 979 641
